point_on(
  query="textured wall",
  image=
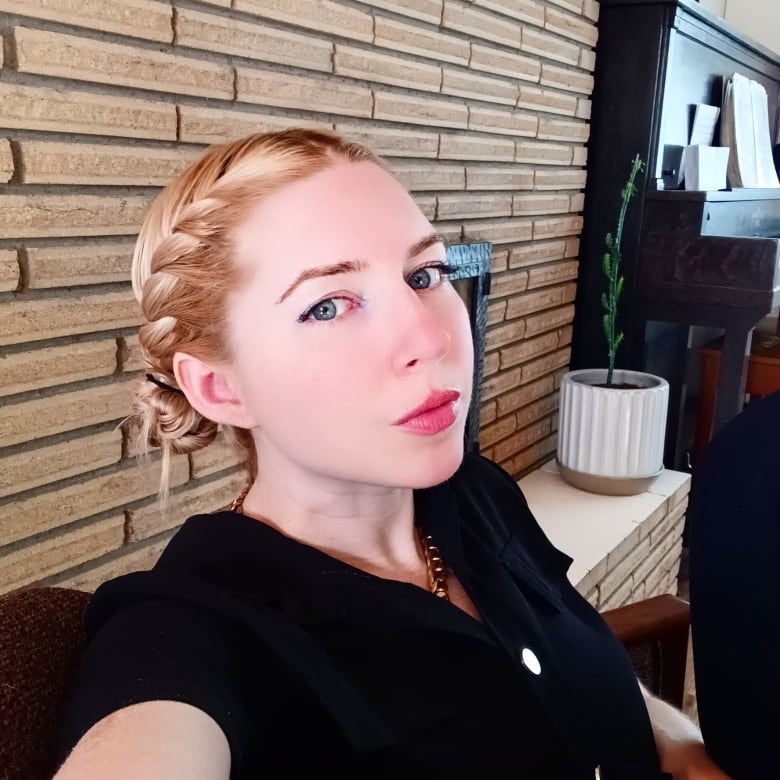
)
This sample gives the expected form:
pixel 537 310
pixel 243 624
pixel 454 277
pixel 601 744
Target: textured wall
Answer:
pixel 482 108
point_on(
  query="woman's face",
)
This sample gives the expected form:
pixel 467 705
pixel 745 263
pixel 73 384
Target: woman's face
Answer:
pixel 347 325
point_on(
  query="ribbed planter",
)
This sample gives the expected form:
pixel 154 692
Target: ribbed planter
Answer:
pixel 611 439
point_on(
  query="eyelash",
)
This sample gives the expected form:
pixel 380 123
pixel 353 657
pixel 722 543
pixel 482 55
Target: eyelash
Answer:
pixel 445 270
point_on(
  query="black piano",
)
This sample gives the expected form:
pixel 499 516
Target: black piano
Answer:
pixel 689 258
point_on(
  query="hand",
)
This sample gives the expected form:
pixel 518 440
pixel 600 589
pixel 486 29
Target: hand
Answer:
pixel 691 762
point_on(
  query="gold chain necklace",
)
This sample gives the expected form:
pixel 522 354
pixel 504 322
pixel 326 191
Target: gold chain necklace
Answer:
pixel 434 563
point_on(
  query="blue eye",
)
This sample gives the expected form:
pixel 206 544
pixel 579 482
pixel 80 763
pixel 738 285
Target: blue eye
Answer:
pixel 429 276
pixel 327 310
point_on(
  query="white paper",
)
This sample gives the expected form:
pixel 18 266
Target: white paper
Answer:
pixel 744 140
pixel 703 130
pixel 705 167
pixel 766 175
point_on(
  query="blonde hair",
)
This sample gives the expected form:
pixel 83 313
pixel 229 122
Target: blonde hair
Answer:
pixel 183 272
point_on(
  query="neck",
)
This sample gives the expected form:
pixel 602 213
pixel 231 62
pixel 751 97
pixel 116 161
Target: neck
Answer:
pixel 369 526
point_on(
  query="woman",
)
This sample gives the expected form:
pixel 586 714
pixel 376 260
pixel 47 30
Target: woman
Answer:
pixel 373 604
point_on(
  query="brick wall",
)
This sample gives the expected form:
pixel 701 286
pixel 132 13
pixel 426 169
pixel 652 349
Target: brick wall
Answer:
pixel 482 107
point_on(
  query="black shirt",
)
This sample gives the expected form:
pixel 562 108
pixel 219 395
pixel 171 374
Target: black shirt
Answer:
pixel 309 663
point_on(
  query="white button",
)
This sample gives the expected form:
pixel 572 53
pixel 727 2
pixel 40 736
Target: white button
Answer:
pixel 530 661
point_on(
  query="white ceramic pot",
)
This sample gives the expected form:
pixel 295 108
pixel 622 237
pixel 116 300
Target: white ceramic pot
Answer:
pixel 611 439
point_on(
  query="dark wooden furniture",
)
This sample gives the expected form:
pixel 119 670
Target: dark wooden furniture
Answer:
pixel 689 258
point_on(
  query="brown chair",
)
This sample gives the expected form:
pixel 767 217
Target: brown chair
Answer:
pixel 42 635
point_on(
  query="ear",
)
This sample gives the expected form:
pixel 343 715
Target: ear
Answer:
pixel 210 389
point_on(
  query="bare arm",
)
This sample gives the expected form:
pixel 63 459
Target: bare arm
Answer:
pixel 154 740
pixel 679 743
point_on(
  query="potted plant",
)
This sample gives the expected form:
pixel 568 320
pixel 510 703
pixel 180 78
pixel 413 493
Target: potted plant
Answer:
pixel 612 421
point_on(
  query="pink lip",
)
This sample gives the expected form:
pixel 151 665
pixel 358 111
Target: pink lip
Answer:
pixel 438 412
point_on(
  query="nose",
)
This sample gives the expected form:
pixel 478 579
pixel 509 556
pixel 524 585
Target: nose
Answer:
pixel 423 335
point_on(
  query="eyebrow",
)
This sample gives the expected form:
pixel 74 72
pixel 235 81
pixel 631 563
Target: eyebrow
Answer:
pixel 353 266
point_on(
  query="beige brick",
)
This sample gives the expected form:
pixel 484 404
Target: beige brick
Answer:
pixel 618 597
pixel 390 142
pixel 491 434
pixel 452 231
pixel 45 557
pixel 537 410
pixel 521 439
pixel 593 577
pixel 661 555
pixel 137 557
pixel 134 18
pixel 499 261
pixel 86 59
pixel 587 60
pixel 660 582
pixel 561 130
pixel 580 156
pixel 512 123
pixel 129 355
pixel 531 457
pixel 33 419
pixel 584 107
pixel 577 201
pixel 573 247
pixel 217 125
pixel 590 9
pixel 44 318
pixel 504 334
pixel 413 39
pixel 495 312
pixel 256 42
pixel 554 273
pixel 46 162
pixel 544 365
pixel 542 154
pixel 68 266
pixel 508 283
pixel 528 349
pixel 673 521
pixel 591 596
pixel 34 369
pixel 40 108
pixel 429 176
pixel 564 334
pixel 546 100
pixel 419 110
pixel 490 364
pixel 218 3
pixel 499 231
pixel 217 456
pixel 575 6
pixel 316 94
pixel 6 161
pixel 31 468
pixel 538 252
pixel 471 147
pixel 321 15
pixel 480 24
pixel 555 179
pixel 565 78
pixel 504 63
pixel 501 383
pixel 494 177
pixel 524 395
pixel 549 46
pixel 152 518
pixel 57 507
pixel 557 226
pixel 467 205
pixel 9 271
pixel 370 65
pixel 525 205
pixel 469 85
pixel 425 10
pixel 617 571
pixel 487 414
pixel 549 320
pixel 570 26
pixel 426 204
pixel 524 10
pixel 41 216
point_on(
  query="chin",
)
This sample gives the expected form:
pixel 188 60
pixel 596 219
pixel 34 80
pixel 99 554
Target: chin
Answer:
pixel 436 466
